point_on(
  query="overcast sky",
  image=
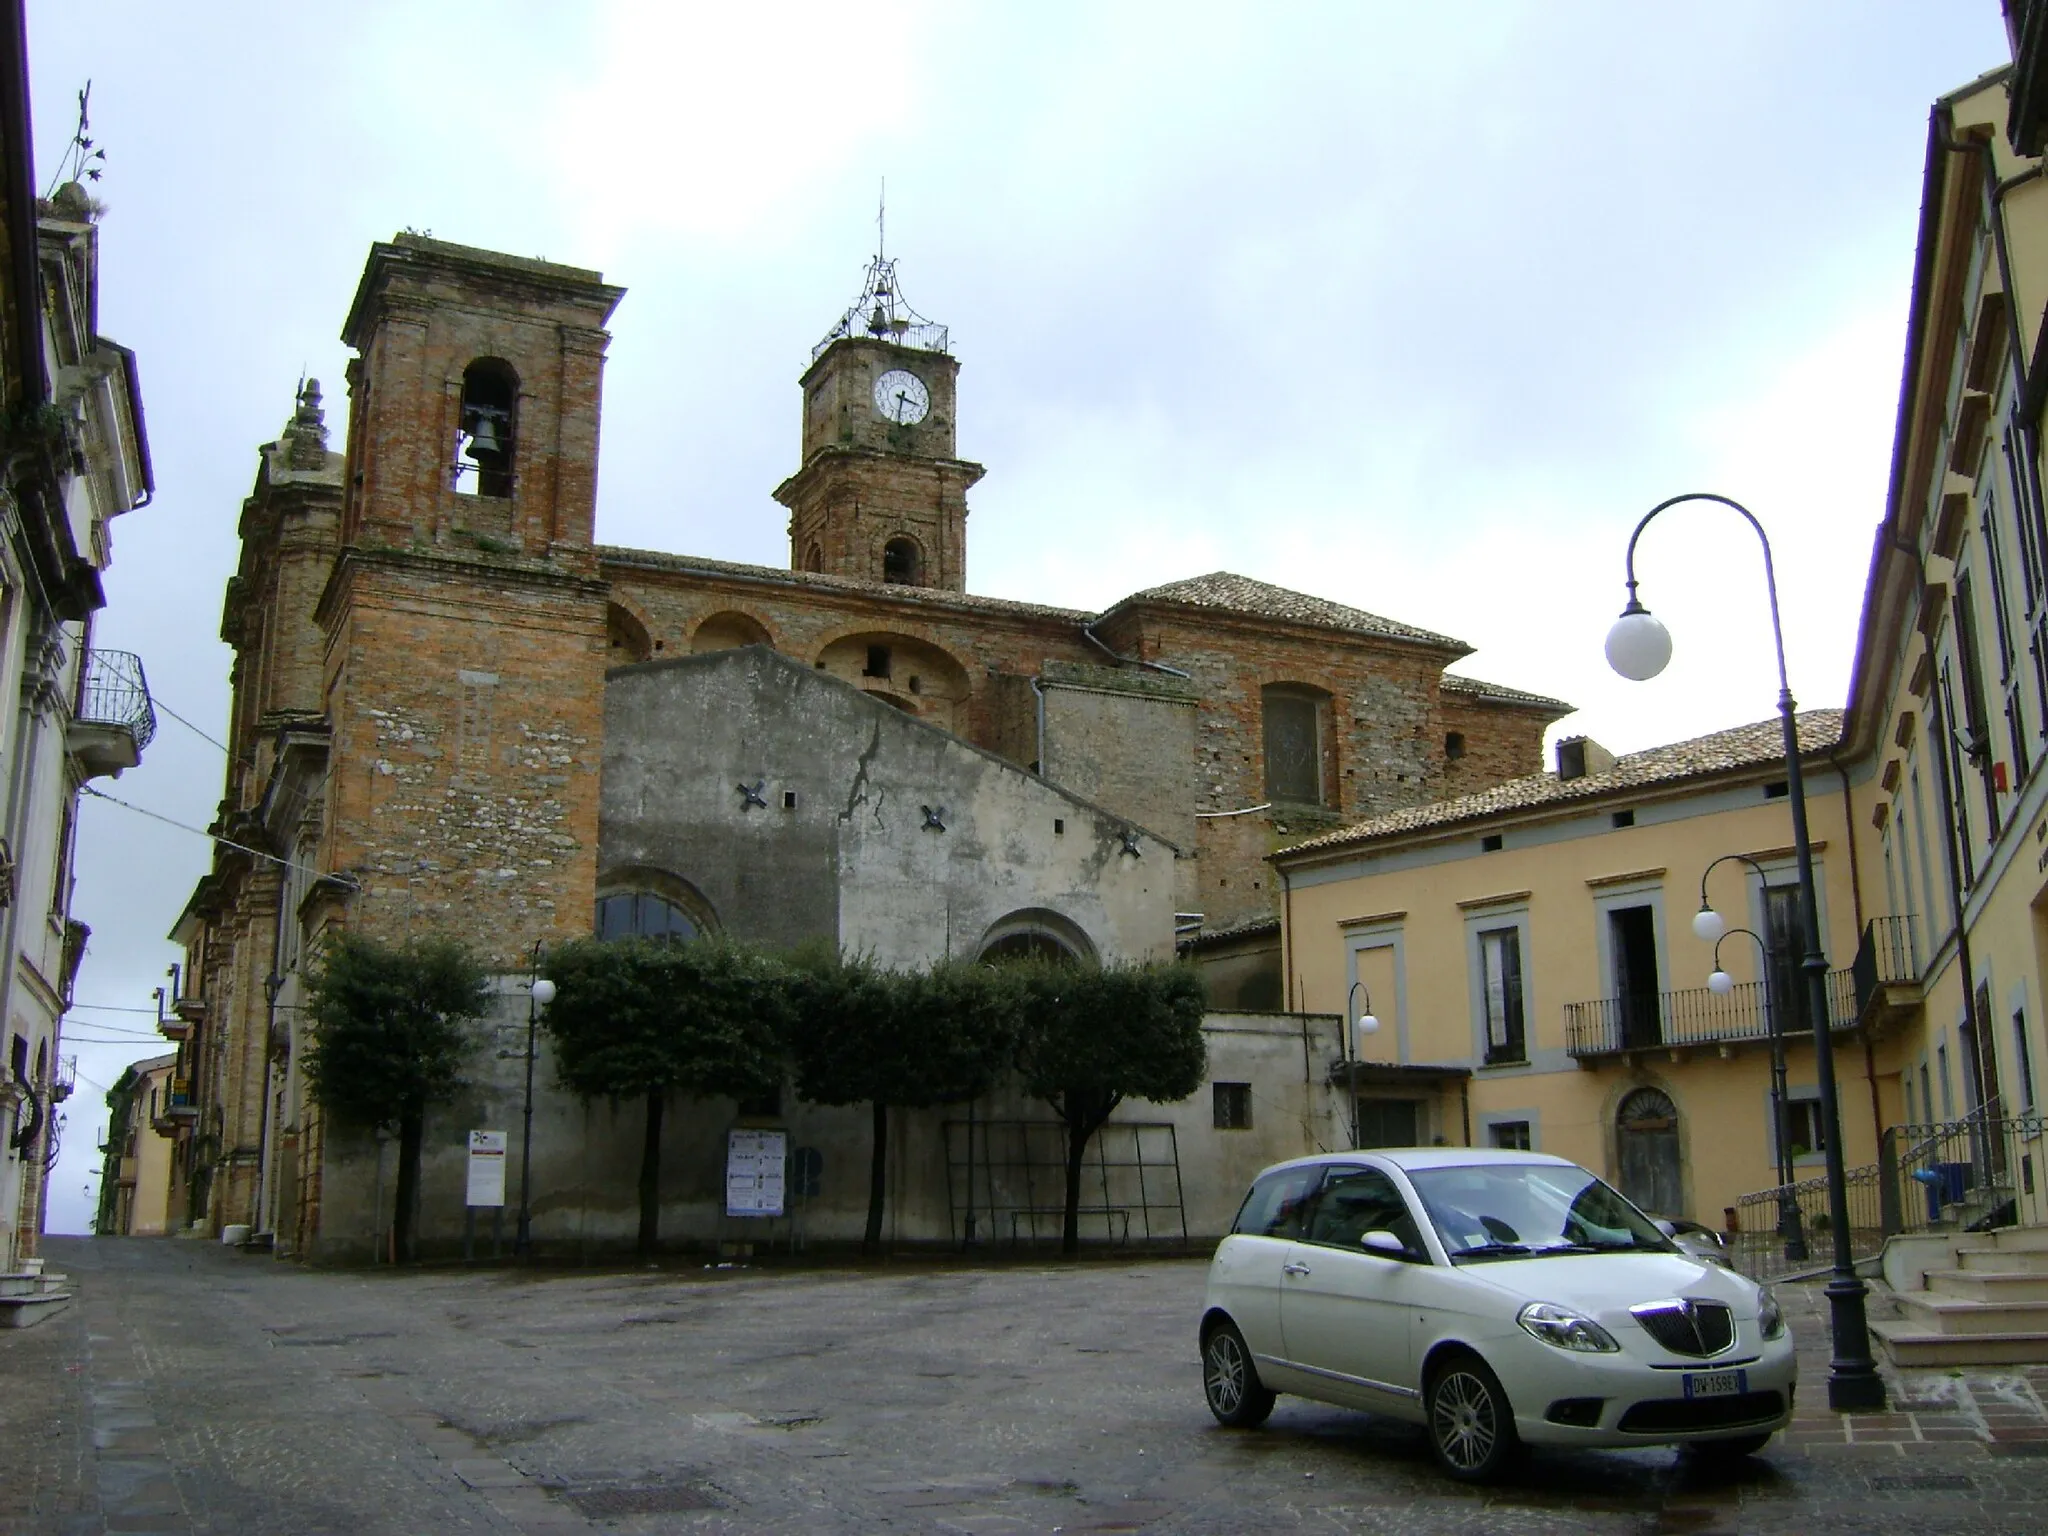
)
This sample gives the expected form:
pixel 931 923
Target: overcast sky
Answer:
pixel 1416 308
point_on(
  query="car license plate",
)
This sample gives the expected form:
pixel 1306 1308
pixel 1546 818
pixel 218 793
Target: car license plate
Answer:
pixel 1716 1383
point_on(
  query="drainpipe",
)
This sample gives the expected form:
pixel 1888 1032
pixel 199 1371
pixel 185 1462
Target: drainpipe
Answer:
pixel 1088 634
pixel 1038 762
pixel 1287 937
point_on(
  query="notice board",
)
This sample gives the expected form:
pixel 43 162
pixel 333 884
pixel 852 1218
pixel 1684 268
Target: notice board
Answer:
pixel 754 1172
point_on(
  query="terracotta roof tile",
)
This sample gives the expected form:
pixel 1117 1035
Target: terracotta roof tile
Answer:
pixel 1746 746
pixel 1232 593
pixel 1474 688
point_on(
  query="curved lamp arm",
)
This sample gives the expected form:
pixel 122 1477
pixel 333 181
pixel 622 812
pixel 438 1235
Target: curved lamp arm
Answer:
pixel 1638 646
pixel 1720 981
pixel 1707 924
pixel 1364 1023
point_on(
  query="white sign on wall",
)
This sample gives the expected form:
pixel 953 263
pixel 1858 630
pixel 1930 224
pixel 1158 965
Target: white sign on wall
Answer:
pixel 486 1167
pixel 753 1172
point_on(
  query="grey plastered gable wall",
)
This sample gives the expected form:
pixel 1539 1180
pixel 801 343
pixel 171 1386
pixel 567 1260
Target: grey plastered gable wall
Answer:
pixel 854 858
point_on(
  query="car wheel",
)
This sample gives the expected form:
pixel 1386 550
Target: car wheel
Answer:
pixel 1728 1450
pixel 1231 1382
pixel 1471 1427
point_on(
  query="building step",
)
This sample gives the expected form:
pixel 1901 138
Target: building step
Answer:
pixel 1954 1314
pixel 1911 1348
pixel 2008 1261
pixel 2009 1240
pixel 1991 1285
pixel 29 1282
pixel 27 1311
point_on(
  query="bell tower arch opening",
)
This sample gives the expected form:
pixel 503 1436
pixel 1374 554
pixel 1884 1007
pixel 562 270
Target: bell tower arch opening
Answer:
pixel 484 441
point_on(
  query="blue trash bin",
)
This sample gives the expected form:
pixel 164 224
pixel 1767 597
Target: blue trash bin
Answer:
pixel 1945 1183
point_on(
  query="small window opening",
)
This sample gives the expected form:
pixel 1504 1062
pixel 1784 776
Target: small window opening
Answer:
pixel 1777 790
pixel 1512 1135
pixel 1454 745
pixel 878 662
pixel 789 799
pixel 916 685
pixel 1490 843
pixel 900 564
pixel 1059 826
pixel 1233 1106
pixel 657 645
pixel 1624 818
pixel 490 394
pixel 814 558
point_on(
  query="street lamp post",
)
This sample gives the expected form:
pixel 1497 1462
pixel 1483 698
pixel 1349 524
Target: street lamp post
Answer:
pixel 539 993
pixel 1638 646
pixel 1356 1028
pixel 1790 1227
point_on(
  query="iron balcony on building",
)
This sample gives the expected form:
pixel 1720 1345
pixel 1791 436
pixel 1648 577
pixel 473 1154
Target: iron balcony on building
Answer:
pixel 114 718
pixel 1696 1017
pixel 177 1109
pixel 1887 973
pixel 187 1014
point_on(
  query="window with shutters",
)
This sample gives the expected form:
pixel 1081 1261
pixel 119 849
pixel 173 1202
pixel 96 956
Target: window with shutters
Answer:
pixel 1500 973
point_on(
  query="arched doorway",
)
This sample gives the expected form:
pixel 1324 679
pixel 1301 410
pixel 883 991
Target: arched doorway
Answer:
pixel 1036 934
pixel 1646 1128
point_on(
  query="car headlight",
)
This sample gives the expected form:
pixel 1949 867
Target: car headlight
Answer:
pixel 1566 1329
pixel 1770 1316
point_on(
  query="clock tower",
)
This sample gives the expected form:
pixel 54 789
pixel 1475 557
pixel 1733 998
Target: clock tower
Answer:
pixel 881 496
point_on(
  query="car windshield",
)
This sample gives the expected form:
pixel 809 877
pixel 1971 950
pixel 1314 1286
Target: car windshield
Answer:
pixel 1488 1211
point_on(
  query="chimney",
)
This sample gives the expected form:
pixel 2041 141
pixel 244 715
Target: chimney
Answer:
pixel 1578 756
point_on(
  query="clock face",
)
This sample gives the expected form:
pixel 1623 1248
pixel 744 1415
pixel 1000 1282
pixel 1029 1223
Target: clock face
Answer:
pixel 902 397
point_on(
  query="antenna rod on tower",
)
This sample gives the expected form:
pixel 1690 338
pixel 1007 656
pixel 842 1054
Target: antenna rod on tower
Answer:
pixel 881 222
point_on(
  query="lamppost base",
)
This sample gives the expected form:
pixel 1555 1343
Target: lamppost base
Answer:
pixel 1855 1391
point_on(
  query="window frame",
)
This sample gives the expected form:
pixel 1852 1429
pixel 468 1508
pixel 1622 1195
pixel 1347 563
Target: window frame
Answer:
pixel 1317 702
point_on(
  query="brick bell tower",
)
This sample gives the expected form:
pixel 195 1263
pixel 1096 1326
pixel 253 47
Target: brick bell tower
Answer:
pixel 464 621
pixel 881 496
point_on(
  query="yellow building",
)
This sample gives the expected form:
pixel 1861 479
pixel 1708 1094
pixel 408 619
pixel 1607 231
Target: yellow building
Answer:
pixel 135 1189
pixel 1948 712
pixel 1538 936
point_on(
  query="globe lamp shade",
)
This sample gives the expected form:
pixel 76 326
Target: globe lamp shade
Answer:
pixel 1708 925
pixel 543 992
pixel 1368 1024
pixel 1721 982
pixel 1638 645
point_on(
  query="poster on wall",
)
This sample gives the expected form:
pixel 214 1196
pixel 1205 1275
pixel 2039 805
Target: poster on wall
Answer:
pixel 753 1172
pixel 486 1168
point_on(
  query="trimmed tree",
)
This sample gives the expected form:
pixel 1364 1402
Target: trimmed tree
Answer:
pixel 389 1038
pixel 904 1039
pixel 644 1018
pixel 1089 1039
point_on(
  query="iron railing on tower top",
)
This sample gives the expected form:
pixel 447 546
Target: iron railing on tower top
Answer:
pixel 112 691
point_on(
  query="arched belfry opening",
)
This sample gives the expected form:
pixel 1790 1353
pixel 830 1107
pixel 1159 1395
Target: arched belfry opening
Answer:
pixel 490 400
pixel 902 563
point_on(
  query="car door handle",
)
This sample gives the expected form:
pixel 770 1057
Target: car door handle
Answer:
pixel 1293 1269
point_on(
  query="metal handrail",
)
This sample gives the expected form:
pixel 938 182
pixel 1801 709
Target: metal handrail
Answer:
pixel 1693 1016
pixel 1888 955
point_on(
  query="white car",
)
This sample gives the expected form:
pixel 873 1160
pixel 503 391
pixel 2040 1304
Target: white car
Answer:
pixel 1499 1298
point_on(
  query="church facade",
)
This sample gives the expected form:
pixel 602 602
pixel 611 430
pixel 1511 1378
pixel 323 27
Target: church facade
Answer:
pixel 432 651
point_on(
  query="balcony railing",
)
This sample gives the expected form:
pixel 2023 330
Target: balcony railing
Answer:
pixel 1609 1026
pixel 114 719
pixel 1887 970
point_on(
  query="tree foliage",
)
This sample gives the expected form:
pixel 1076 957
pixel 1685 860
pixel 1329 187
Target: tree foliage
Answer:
pixel 903 1039
pixel 1088 1039
pixel 390 1034
pixel 644 1018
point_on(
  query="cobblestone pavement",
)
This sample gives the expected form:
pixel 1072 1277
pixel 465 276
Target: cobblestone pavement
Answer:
pixel 195 1389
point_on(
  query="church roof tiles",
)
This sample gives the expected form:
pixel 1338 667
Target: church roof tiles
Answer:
pixel 1231 593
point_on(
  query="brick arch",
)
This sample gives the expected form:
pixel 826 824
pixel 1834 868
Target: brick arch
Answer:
pixel 727 630
pixel 935 684
pixel 626 636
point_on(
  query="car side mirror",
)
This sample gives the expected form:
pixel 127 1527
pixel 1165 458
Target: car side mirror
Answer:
pixel 1668 1228
pixel 1384 1243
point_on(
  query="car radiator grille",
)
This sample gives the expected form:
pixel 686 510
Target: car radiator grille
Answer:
pixel 1688 1327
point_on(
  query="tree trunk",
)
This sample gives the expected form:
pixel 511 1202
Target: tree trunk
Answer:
pixel 878 1180
pixel 650 1177
pixel 405 1219
pixel 1070 1228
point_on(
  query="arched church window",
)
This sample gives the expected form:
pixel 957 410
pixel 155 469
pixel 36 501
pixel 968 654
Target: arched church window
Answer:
pixel 814 557
pixel 490 397
pixel 902 563
pixel 1036 933
pixel 1294 736
pixel 643 915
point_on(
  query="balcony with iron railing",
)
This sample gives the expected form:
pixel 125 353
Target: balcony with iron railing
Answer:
pixel 177 1110
pixel 1696 1016
pixel 114 719
pixel 1887 972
